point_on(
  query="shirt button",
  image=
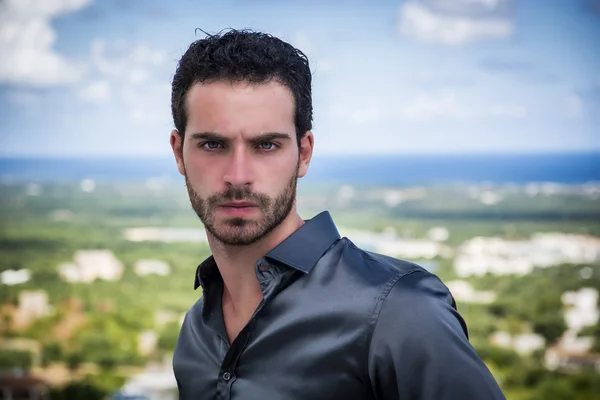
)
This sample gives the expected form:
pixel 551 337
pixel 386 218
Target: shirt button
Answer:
pixel 226 376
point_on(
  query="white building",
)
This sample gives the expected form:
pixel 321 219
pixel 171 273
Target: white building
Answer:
pixel 558 358
pixel 581 308
pixel 572 352
pixel 482 255
pixel 156 383
pixel 572 248
pixel 147 342
pixel 90 265
pixel 168 235
pixel 147 267
pixel 410 248
pixel 462 291
pixel 32 305
pixel 15 277
pixel 389 244
pixel 163 317
pixel 393 197
pixel 438 234
pixel 524 343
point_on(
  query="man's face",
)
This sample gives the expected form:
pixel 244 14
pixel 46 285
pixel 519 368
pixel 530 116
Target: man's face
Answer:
pixel 240 158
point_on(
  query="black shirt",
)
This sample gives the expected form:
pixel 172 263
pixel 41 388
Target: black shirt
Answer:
pixel 336 322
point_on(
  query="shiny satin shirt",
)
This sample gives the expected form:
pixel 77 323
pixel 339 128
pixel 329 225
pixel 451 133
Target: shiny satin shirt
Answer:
pixel 336 322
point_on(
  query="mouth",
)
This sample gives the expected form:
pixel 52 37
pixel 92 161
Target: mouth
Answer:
pixel 239 204
pixel 239 208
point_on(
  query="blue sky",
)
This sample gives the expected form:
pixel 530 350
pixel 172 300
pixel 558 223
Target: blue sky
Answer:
pixel 92 77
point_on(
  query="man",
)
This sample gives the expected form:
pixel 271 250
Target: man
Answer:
pixel 289 310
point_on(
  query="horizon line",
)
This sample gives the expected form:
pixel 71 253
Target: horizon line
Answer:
pixel 332 155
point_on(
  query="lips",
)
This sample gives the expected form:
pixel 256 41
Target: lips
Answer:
pixel 241 204
pixel 239 209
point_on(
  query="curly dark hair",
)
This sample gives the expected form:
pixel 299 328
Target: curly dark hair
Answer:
pixel 244 55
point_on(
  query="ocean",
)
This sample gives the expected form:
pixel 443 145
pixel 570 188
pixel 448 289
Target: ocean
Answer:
pixel 388 170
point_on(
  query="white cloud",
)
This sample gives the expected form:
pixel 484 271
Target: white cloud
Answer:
pixel 433 106
pixel 139 73
pixel 419 21
pixel 26 43
pixel 130 63
pixel 464 6
pixel 98 91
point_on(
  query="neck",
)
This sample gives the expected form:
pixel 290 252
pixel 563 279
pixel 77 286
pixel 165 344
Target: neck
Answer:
pixel 237 263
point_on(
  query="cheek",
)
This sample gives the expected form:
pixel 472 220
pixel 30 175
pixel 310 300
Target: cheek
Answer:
pixel 197 171
pixel 277 175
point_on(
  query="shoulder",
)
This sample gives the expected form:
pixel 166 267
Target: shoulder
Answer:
pixel 421 301
pixel 407 290
pixel 377 269
pixel 400 284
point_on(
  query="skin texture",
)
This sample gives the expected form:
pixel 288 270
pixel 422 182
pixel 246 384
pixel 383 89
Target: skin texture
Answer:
pixel 240 148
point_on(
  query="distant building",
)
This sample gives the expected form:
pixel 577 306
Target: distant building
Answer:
pixel 164 317
pixel 393 197
pixel 155 383
pixel 33 189
pixel 572 352
pixel 581 308
pixel 88 185
pixel 438 234
pixel 90 265
pixel 524 343
pixel 482 255
pixel 571 342
pixel 572 248
pixel 168 235
pixel 147 267
pixel 558 358
pixel 344 195
pixel 410 249
pixel 32 305
pixel 15 277
pixel 462 291
pixel 147 342
pixel 388 243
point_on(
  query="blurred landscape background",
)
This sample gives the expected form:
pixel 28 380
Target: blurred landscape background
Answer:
pixel 462 135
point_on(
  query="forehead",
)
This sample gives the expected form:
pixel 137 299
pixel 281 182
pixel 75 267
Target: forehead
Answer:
pixel 227 107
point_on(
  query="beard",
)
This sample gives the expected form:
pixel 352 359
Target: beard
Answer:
pixel 242 231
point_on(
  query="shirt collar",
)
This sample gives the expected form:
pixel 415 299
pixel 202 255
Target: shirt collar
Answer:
pixel 301 250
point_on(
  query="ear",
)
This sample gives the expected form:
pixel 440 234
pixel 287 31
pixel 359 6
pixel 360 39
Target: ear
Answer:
pixel 177 146
pixel 306 150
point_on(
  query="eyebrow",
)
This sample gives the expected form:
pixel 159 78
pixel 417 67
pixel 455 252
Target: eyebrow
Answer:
pixel 262 138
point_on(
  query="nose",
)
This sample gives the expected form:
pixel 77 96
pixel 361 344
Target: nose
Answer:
pixel 239 170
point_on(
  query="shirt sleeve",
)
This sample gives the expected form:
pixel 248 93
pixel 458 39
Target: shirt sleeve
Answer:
pixel 419 348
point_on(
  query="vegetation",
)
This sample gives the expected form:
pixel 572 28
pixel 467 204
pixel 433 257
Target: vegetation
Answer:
pixel 100 323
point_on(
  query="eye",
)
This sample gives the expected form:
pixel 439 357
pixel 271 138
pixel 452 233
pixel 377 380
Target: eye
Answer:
pixel 210 145
pixel 267 146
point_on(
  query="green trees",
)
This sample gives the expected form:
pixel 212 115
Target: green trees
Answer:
pixel 15 359
pixel 105 342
